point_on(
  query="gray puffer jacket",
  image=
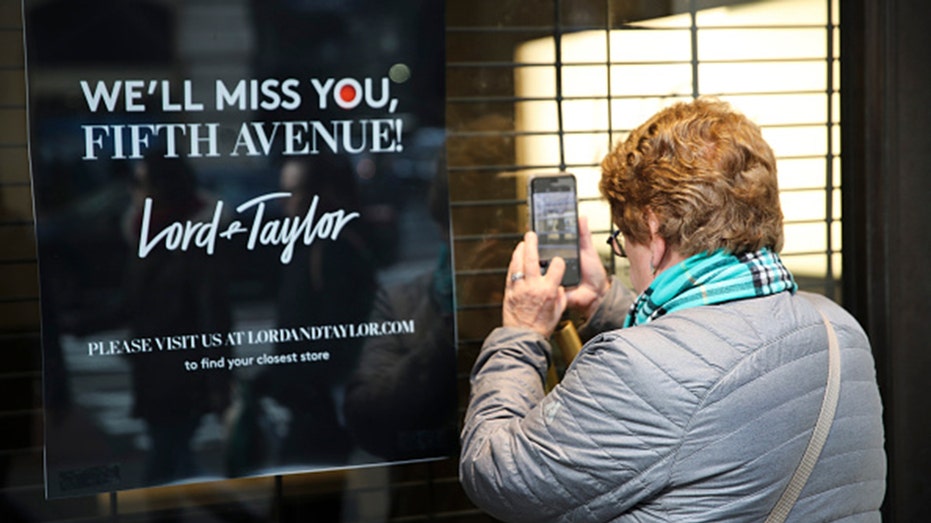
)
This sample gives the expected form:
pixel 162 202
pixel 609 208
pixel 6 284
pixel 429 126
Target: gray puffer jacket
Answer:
pixel 700 415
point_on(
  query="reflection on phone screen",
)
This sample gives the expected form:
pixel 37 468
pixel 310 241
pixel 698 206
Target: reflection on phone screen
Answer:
pixel 555 220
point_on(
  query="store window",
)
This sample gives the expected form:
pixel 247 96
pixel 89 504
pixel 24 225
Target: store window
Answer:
pixel 532 86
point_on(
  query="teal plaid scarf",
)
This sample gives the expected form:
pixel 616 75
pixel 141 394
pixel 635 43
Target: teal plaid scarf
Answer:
pixel 710 278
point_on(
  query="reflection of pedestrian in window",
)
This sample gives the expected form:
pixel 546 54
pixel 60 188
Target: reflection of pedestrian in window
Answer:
pixel 173 293
pixel 326 283
pixel 401 403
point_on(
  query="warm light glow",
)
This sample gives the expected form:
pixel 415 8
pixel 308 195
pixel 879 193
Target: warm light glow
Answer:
pixel 767 58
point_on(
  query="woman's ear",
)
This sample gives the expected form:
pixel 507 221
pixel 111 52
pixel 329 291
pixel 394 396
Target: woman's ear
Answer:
pixel 657 243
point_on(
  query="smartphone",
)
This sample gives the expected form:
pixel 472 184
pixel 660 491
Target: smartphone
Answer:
pixel 554 216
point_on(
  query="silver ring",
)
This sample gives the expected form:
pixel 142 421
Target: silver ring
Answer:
pixel 517 276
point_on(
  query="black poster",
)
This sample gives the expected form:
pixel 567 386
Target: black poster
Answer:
pixel 243 237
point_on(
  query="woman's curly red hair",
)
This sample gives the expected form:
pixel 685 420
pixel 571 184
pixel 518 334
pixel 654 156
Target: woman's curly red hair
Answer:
pixel 706 173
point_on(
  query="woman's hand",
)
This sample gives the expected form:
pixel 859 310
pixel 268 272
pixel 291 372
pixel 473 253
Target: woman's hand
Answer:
pixel 537 301
pixel 594 284
pixel 532 299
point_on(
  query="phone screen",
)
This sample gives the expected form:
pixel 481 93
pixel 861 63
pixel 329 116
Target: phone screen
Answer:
pixel 555 219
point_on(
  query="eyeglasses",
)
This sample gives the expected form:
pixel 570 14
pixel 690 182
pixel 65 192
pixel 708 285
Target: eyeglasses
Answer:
pixel 617 247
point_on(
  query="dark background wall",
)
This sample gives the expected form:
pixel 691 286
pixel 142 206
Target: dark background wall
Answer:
pixel 885 85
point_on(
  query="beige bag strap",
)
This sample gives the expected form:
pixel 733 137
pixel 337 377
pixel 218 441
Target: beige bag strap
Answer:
pixel 818 436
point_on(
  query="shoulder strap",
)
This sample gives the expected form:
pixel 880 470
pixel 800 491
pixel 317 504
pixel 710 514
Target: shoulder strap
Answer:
pixel 818 436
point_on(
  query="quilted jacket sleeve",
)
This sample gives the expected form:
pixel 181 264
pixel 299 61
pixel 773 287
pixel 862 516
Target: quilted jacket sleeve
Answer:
pixel 565 456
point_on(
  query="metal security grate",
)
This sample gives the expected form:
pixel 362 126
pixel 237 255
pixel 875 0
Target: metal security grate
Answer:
pixel 547 86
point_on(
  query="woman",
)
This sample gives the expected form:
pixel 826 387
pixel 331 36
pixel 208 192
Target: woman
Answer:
pixel 696 400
